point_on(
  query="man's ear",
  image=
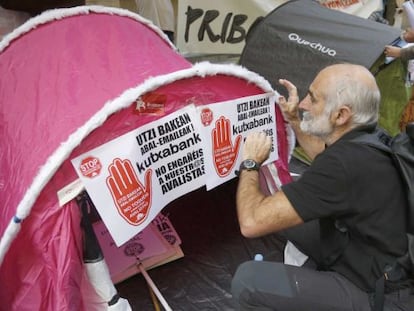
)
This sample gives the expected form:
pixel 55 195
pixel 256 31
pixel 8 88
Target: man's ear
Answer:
pixel 343 115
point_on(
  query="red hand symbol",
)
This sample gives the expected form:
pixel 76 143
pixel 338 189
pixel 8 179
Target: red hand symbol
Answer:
pixel 131 198
pixel 224 153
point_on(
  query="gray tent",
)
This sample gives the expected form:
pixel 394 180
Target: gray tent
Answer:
pixel 300 37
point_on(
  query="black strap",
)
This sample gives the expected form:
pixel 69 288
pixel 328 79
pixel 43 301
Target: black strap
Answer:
pixel 114 300
pixel 394 277
pixel 379 294
pixel 91 249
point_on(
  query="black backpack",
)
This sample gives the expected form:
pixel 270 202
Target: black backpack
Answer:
pixel 401 148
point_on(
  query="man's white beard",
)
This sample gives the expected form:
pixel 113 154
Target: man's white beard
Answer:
pixel 317 126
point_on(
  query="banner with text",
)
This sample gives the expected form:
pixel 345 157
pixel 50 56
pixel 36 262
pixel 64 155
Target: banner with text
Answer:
pixel 224 127
pixel 217 27
pixel 220 27
pixel 133 177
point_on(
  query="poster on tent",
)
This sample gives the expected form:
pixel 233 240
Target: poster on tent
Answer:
pixel 133 177
pixel 224 127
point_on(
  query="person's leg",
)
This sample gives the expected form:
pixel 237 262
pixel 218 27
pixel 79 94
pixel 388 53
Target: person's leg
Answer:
pixel 265 286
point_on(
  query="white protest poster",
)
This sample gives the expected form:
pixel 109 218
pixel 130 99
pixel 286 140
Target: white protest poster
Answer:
pixel 133 177
pixel 224 127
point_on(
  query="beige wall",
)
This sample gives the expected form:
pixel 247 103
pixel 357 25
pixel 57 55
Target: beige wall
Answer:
pixel 126 4
pixel 113 3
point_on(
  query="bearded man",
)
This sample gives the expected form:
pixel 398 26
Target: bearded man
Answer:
pixel 353 192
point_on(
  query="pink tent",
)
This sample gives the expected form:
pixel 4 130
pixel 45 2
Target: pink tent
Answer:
pixel 70 79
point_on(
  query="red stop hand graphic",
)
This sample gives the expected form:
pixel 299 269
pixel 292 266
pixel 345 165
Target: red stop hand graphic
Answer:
pixel 132 199
pixel 224 153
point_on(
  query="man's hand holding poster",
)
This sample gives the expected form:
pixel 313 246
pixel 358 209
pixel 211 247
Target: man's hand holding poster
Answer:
pixel 225 124
pixel 133 177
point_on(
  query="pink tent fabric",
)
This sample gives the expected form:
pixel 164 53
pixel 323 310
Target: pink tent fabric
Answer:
pixel 69 81
pixel 58 70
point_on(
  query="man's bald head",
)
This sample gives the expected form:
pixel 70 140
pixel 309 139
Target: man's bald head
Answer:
pixel 353 86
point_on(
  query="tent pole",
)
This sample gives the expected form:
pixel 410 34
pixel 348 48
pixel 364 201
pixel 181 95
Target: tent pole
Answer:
pixel 153 287
pixel 154 299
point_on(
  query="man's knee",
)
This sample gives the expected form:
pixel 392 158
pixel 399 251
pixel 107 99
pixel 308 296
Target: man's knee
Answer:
pixel 261 277
pixel 242 279
pixel 260 283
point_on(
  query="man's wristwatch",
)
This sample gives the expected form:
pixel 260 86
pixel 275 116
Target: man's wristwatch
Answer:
pixel 249 165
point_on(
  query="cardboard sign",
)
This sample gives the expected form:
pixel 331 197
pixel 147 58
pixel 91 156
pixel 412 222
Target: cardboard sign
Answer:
pixel 156 245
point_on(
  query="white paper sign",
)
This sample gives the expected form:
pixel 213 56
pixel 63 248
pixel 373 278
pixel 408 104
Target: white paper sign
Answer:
pixel 225 125
pixel 133 177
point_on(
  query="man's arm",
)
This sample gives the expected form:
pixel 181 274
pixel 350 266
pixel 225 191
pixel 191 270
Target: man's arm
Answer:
pixel 259 214
pixel 312 145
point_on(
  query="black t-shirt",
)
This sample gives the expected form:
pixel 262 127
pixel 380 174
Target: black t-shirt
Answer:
pixel 357 194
